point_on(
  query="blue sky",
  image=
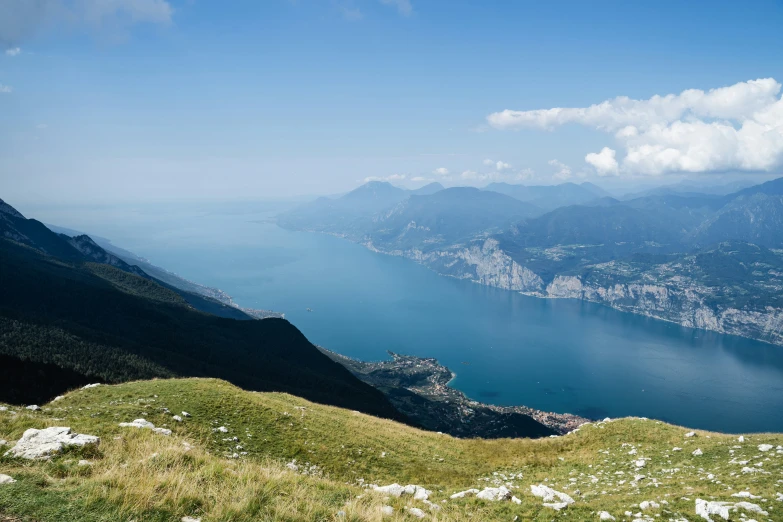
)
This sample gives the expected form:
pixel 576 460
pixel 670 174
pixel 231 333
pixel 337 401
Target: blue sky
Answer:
pixel 149 100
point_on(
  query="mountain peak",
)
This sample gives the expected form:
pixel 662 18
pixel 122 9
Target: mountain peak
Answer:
pixel 5 208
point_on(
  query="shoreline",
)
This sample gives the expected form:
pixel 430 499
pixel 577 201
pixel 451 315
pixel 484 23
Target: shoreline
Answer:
pixel 438 405
pixel 538 295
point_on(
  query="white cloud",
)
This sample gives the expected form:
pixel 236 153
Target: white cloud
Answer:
pixel 604 161
pixel 404 7
pixel 736 127
pixel 489 162
pixel 441 171
pixel 390 178
pixel 5 89
pixel 562 171
pixel 420 178
pixel 14 51
pixel 501 166
pixel 19 19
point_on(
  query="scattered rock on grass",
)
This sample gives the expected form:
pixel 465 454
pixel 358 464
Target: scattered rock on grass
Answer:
pixel 5 479
pixel 603 515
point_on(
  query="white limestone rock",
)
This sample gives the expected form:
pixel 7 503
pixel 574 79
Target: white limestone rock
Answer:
pixel 690 434
pixel 176 418
pixel 95 385
pixel 416 512
pixel 465 493
pixel 185 414
pixel 144 424
pixel 640 463
pixel 494 494
pixel 705 509
pixel 550 496
pixel 33 407
pixel 603 515
pixel 765 447
pixel 190 519
pixel 746 494
pixel 697 452
pixel 5 479
pixel 42 444
pixel 396 490
pixel 649 504
pixel 387 511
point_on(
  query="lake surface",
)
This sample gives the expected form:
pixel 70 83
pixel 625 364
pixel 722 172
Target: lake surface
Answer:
pixel 555 355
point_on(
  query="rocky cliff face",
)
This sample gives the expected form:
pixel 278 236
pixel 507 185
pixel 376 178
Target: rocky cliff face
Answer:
pixel 677 297
pixel 684 305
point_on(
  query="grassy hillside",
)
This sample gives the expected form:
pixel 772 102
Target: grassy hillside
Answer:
pixel 140 475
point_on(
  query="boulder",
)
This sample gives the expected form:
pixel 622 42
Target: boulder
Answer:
pixel 550 496
pixel 387 511
pixel 5 479
pixel 697 452
pixel 603 515
pixel 33 407
pixel 765 447
pixel 395 490
pixel 494 494
pixel 465 493
pixel 416 512
pixel 144 424
pixel 42 444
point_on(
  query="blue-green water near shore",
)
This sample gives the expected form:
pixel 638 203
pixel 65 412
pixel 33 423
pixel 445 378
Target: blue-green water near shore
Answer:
pixel 506 348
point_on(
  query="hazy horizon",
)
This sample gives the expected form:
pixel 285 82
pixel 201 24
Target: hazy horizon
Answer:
pixel 161 100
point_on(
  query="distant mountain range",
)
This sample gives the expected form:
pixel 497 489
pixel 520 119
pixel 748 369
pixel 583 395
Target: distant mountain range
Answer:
pixel 681 256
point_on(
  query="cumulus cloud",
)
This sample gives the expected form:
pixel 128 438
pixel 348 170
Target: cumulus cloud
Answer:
pixel 404 7
pixel 14 51
pixel 501 166
pixel 19 19
pixel 736 127
pixel 604 161
pixel 5 89
pixel 441 171
pixel 562 171
pixel 498 165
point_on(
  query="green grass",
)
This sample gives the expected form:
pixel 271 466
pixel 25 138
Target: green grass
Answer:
pixel 348 449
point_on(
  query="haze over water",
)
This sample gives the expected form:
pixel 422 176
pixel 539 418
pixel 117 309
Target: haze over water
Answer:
pixel 556 355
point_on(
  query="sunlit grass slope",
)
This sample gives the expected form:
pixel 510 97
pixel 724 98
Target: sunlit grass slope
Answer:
pixel 240 473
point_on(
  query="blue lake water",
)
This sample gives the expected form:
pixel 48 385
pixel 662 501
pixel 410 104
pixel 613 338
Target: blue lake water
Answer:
pixel 556 355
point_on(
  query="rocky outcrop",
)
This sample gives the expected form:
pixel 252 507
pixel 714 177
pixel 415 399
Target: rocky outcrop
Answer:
pixel 42 444
pixel 684 305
